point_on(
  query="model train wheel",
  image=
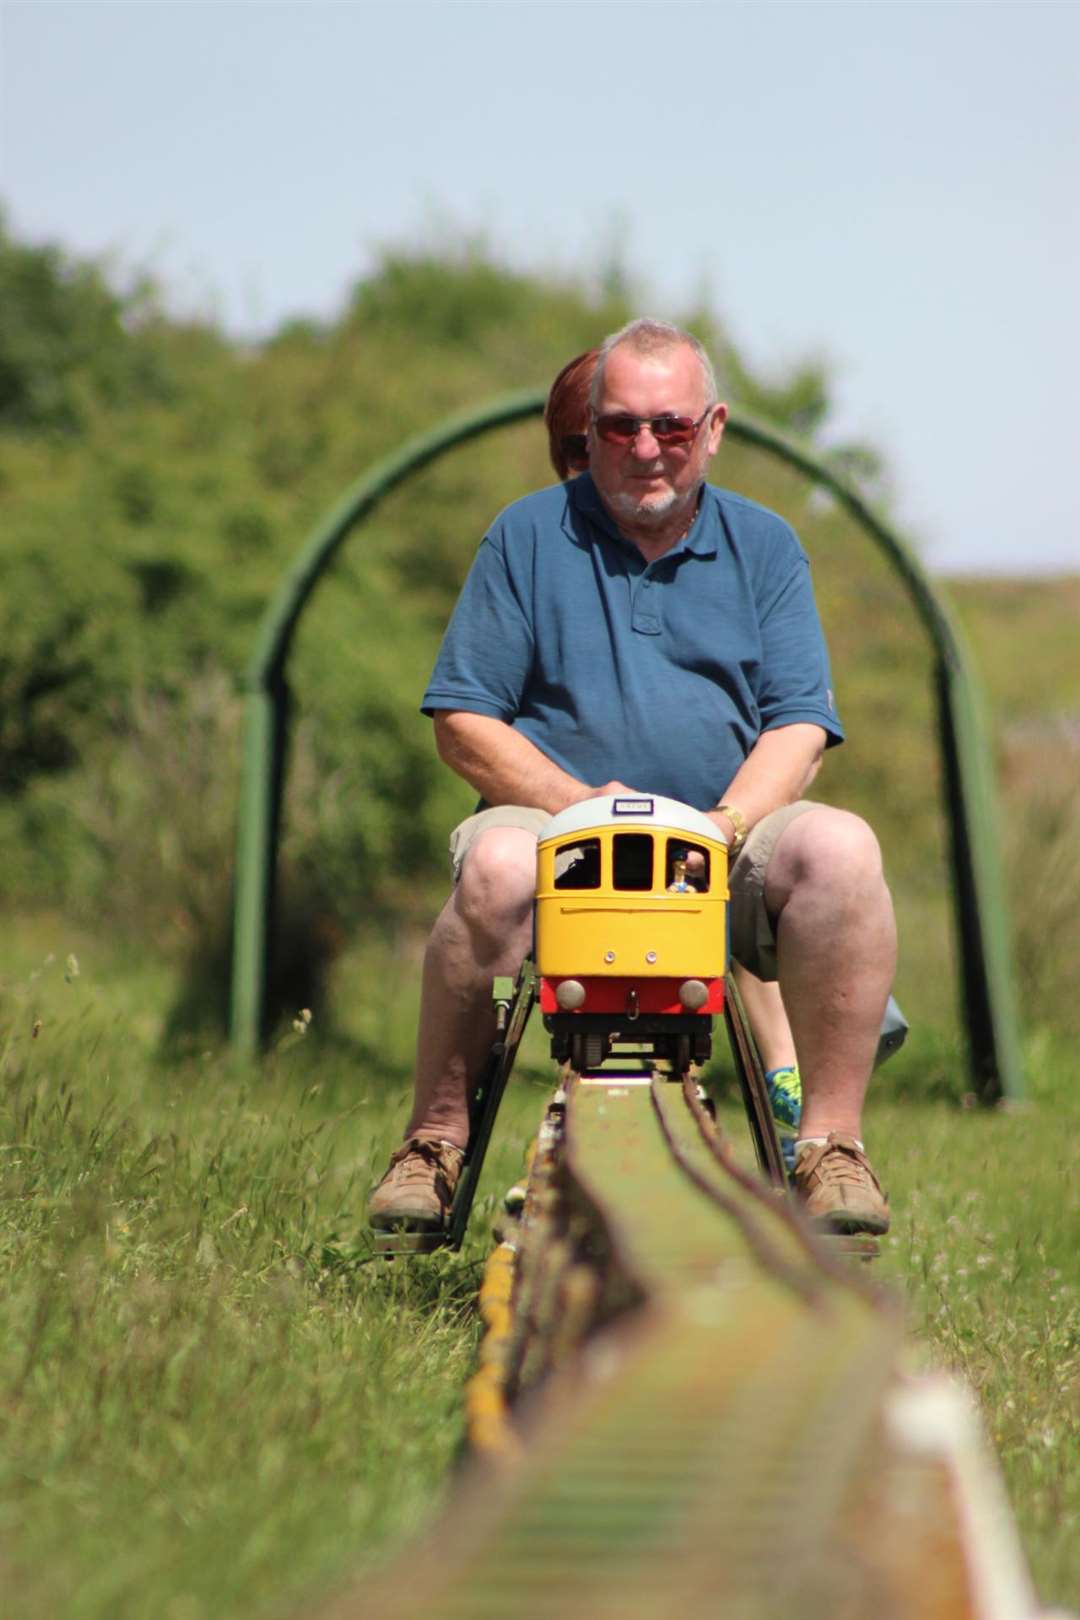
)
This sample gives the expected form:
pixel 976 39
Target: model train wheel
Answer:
pixel 589 1050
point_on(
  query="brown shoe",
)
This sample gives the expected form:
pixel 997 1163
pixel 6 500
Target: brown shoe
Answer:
pixel 416 1192
pixel 837 1187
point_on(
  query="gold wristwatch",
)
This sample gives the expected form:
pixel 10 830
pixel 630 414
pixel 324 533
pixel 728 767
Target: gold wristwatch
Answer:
pixel 738 821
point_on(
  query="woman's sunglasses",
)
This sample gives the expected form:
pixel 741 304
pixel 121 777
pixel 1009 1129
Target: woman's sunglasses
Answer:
pixel 620 428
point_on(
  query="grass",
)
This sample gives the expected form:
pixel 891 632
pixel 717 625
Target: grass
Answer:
pixel 211 1405
pixel 987 1212
pixel 208 1405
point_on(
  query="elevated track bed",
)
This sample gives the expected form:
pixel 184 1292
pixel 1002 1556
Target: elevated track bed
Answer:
pixel 688 1403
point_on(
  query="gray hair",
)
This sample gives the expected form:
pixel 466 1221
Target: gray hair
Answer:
pixel 647 337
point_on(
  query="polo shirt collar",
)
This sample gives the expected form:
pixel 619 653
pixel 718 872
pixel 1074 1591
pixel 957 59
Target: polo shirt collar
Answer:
pixel 585 498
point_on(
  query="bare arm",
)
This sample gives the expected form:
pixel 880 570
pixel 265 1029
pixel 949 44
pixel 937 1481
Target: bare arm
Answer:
pixel 777 771
pixel 506 768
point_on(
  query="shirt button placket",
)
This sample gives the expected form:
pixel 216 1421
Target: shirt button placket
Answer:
pixel 645 619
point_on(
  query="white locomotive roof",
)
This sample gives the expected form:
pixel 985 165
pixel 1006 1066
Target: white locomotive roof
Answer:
pixel 632 810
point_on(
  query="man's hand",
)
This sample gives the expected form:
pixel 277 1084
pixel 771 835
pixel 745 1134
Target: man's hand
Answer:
pixel 725 826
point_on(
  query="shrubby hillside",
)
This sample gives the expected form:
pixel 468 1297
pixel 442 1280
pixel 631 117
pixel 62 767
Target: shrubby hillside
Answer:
pixel 157 477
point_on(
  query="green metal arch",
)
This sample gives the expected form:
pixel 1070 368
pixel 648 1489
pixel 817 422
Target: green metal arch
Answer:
pixel 978 889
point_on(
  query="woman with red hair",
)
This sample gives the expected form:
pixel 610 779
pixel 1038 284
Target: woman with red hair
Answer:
pixel 566 414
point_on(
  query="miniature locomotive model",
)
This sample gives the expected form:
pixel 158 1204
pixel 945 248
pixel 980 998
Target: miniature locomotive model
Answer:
pixel 631 928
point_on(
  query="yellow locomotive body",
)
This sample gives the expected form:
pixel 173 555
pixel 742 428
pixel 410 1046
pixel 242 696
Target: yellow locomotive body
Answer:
pixel 631 915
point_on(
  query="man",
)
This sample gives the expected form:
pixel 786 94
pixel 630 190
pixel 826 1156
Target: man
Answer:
pixel 636 631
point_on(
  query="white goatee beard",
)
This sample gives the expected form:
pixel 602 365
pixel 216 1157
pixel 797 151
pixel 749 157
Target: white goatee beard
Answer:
pixel 653 509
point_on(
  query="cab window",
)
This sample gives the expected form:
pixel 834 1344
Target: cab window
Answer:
pixel 577 865
pixel 632 861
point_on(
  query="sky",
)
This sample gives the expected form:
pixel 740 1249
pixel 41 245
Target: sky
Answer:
pixel 890 187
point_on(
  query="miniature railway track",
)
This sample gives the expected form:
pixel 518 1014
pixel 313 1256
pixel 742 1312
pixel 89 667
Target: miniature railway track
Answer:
pixel 687 1402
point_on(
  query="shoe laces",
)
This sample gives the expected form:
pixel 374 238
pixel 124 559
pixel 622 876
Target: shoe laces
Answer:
pixel 836 1160
pixel 420 1155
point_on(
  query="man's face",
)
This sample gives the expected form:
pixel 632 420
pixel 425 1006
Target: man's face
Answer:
pixel 647 484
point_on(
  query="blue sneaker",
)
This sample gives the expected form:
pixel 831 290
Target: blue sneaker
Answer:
pixel 785 1099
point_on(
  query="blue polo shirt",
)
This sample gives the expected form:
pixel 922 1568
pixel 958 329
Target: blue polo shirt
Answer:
pixel 661 675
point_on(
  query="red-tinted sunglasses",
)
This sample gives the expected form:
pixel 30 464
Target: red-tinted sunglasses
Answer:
pixel 620 428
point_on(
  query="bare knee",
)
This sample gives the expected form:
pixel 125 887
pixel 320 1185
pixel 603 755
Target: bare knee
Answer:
pixel 824 850
pixel 498 881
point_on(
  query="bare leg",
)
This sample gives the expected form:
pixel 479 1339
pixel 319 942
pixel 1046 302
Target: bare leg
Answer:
pixel 483 930
pixel 836 946
pixel 768 1019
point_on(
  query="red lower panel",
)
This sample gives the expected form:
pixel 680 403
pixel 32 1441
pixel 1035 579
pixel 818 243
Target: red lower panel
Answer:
pixel 603 995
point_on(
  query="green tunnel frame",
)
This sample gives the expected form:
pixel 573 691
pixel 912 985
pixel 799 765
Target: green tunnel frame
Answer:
pixel 986 978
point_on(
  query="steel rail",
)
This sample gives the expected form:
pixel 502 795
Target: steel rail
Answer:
pixel 769 1257
pixel 821 1250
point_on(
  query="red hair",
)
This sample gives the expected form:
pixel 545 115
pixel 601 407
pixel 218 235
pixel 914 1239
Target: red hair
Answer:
pixel 566 414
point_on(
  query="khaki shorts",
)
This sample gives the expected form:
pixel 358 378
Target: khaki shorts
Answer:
pixel 753 938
